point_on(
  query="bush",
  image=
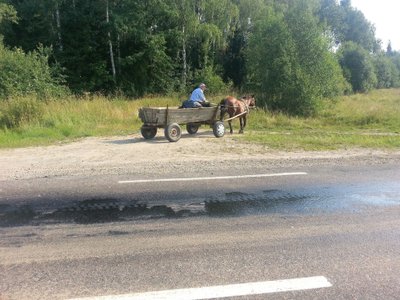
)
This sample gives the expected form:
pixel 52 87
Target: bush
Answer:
pixel 17 111
pixel 214 82
pixel 27 74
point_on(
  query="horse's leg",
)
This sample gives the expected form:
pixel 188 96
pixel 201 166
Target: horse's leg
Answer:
pixel 230 122
pixel 222 112
pixel 244 122
pixel 241 125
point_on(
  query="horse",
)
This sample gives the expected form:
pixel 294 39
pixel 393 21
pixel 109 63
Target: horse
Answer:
pixel 237 107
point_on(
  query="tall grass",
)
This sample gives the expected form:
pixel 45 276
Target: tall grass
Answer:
pixel 363 120
pixel 379 110
pixel 71 118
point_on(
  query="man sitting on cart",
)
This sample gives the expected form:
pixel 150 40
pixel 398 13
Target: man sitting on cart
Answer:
pixel 197 98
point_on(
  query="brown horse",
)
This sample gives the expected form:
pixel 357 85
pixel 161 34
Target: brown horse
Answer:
pixel 237 107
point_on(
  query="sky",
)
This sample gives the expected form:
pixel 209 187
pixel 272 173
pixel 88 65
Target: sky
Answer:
pixel 384 14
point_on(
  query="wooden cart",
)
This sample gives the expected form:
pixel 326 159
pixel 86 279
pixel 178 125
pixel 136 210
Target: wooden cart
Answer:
pixel 172 118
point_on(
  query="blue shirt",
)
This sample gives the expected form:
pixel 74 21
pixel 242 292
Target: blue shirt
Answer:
pixel 197 96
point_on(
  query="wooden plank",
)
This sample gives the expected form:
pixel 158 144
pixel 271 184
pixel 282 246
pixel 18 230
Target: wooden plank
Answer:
pixel 158 115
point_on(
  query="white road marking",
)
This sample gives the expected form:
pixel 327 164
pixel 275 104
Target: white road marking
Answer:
pixel 211 178
pixel 222 291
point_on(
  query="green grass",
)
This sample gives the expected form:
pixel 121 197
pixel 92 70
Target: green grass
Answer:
pixel 73 118
pixel 362 120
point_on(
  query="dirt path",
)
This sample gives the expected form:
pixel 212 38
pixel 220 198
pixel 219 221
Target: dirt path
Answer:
pixel 133 154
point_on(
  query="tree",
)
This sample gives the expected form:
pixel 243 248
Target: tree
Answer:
pixel 389 50
pixel 357 66
pixel 186 22
pixel 332 14
pixel 273 70
pixel 8 15
pixel 234 59
pixel 359 30
pixel 395 60
pixel 289 61
pixel 234 62
pixel 156 46
pixel 110 44
pixel 348 24
pixel 386 72
pixel 36 24
pixel 146 46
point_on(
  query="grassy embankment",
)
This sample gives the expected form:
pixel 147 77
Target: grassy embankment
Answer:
pixel 371 121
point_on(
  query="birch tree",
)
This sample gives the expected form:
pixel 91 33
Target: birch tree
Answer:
pixel 58 22
pixel 110 45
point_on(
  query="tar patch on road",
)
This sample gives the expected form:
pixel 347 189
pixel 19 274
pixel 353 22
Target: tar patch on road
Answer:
pixel 111 210
pixel 306 201
pixel 87 212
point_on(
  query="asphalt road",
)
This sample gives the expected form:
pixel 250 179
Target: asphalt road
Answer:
pixel 64 238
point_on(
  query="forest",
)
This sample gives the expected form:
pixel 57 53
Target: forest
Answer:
pixel 292 54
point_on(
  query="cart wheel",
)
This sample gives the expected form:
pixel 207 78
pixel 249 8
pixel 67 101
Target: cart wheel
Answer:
pixel 148 132
pixel 219 129
pixel 192 128
pixel 173 132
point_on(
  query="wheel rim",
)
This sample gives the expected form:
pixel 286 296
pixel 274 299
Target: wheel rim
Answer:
pixel 219 129
pixel 173 132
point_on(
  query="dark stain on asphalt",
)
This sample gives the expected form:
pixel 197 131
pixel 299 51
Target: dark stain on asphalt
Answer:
pixel 299 201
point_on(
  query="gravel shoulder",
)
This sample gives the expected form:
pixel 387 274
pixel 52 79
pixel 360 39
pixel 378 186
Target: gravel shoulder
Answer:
pixel 133 154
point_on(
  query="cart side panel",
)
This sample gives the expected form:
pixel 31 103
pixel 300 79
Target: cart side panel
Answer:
pixel 191 115
pixel 152 115
pixel 157 116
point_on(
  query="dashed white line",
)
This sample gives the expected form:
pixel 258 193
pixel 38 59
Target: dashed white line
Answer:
pixel 222 291
pixel 211 178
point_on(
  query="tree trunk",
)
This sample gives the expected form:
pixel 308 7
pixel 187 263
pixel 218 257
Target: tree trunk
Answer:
pixel 184 70
pixel 58 22
pixel 110 44
pixel 118 54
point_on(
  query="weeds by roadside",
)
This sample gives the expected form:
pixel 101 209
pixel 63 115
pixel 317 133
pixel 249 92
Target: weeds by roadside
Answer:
pixel 363 120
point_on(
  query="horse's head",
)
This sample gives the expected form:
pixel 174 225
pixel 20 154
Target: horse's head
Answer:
pixel 250 100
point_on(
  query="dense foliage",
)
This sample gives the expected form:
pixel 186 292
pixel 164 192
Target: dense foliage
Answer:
pixel 291 53
pixel 291 74
pixel 28 74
